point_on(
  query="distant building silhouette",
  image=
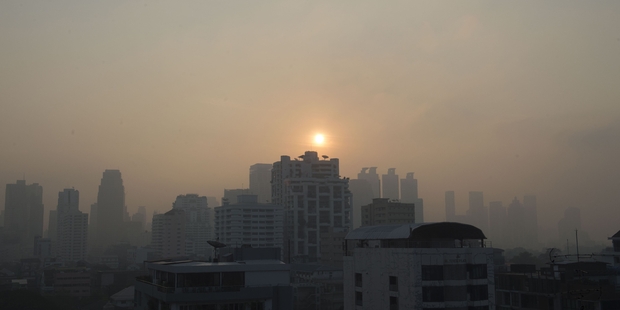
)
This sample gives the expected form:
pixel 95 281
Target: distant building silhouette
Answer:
pixel 249 222
pixel 390 184
pixel 140 217
pixel 409 194
pixel 23 213
pixel 371 176
pixel 260 181
pixel 497 223
pixel 383 211
pixel 568 224
pixel 361 192
pixel 477 213
pixel 230 195
pixel 530 224
pixel 314 197
pixel 450 205
pixel 515 217
pixel 110 210
pixel 72 235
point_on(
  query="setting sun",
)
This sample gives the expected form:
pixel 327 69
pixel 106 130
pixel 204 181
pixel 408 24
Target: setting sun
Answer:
pixel 319 139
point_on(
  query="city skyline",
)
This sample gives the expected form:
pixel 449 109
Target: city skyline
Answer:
pixel 504 98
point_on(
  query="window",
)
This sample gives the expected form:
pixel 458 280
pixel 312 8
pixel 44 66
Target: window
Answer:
pixel 478 271
pixel 358 280
pixel 478 292
pixel 432 273
pixel 393 303
pixel 393 284
pixel 432 294
pixel 358 298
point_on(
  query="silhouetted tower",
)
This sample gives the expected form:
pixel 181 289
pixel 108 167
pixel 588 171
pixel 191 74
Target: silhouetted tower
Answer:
pixel 477 213
pixel 530 223
pixel 260 182
pixel 371 176
pixel 23 217
pixel 450 206
pixel 390 184
pixel 361 192
pixel 409 194
pixel 110 209
pixel 497 222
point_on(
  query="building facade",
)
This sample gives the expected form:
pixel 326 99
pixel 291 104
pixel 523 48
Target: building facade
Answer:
pixel 72 227
pixel 23 213
pixel 198 228
pixel 248 222
pixel 409 194
pixel 383 211
pixel 169 233
pixel 418 266
pixel 185 285
pixel 314 197
pixel 260 182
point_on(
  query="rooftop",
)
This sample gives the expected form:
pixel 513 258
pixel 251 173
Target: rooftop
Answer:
pixel 420 231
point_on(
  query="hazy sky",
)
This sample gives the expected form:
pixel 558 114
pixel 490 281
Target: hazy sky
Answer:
pixel 509 98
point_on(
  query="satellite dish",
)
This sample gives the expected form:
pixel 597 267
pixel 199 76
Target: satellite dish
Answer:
pixel 325 156
pixel 216 244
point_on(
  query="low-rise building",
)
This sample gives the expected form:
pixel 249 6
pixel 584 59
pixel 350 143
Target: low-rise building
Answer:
pixel 418 266
pixel 184 285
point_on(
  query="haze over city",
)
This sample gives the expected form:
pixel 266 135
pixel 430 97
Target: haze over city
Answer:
pixel 508 98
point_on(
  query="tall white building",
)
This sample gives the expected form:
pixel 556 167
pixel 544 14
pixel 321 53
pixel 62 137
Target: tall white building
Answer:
pixel 314 197
pixel 260 181
pixel 249 222
pixel 418 266
pixel 72 227
pixel 198 228
pixel 169 238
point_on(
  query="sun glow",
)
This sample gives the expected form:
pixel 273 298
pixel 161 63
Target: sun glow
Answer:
pixel 319 139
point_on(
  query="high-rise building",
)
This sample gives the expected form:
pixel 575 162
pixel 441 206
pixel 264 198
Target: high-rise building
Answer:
pixel 249 222
pixel 383 211
pixel 497 223
pixel 230 195
pixel 314 197
pixel 361 193
pixel 515 216
pixel 140 217
pixel 110 209
pixel 477 213
pixel 260 182
pixel 409 194
pixel 569 224
pixel 23 217
pixel 372 177
pixel 169 238
pixel 530 225
pixel 198 229
pixel 72 227
pixel 450 206
pixel 52 226
pixel 390 184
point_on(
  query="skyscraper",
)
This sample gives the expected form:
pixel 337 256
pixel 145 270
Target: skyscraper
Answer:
pixel 372 177
pixel 198 229
pixel 72 231
pixel 169 233
pixel 390 184
pixel 23 207
pixel 497 223
pixel 110 209
pixel 361 193
pixel 409 194
pixel 260 182
pixel 450 206
pixel 477 213
pixel 314 197
pixel 230 195
pixel 515 217
pixel 530 214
